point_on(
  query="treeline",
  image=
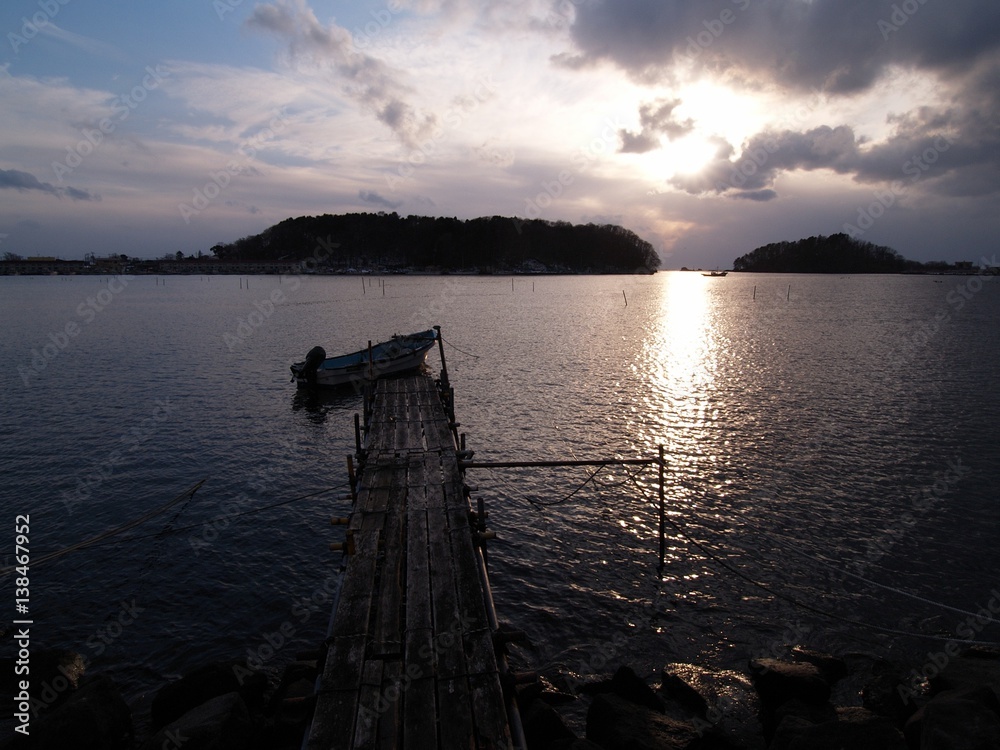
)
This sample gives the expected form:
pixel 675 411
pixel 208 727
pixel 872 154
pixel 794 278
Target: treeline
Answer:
pixel 838 253
pixel 493 244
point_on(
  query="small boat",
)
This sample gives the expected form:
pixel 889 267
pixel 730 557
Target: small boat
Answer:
pixel 398 354
pixel 716 273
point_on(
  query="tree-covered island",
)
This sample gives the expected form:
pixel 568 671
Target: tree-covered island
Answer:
pixel 493 244
pixel 838 253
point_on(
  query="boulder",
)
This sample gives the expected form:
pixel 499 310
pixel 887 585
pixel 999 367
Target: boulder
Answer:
pixel 855 728
pixel 881 693
pixel 93 717
pixel 780 681
pixel 956 720
pixel 674 688
pixel 973 668
pixel 615 723
pixel 293 703
pixel 543 726
pixel 831 668
pixel 210 681
pixel 628 685
pixel 733 707
pixel 222 723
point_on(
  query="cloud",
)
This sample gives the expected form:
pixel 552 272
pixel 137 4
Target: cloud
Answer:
pixel 656 119
pixel 15 179
pixel 838 46
pixel 370 196
pixel 87 44
pixel 367 80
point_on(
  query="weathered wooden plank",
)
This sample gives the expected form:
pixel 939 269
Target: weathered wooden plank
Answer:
pixel 370 706
pixel 420 731
pixel 492 730
pixel 467 580
pixel 479 654
pixel 388 615
pixel 354 604
pixel 418 584
pixel 418 653
pixel 455 712
pixel 344 664
pixel 333 721
pixel 447 616
pixel 390 718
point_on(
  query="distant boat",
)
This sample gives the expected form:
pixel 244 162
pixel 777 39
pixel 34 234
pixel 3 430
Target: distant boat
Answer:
pixel 398 354
pixel 716 273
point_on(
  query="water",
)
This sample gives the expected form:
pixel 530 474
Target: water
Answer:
pixel 812 426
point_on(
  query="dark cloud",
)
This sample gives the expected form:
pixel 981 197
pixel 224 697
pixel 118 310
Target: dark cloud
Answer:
pixel 367 80
pixel 17 180
pixel 656 119
pixel 756 195
pixel 370 196
pixel 14 178
pixel 838 46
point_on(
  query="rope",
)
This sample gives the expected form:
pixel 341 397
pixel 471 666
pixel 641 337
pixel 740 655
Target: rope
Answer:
pixel 250 512
pixel 111 532
pixel 826 562
pixel 804 605
pixel 467 354
pixel 107 537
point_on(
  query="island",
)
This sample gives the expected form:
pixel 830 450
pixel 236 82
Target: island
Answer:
pixel 388 242
pixel 838 253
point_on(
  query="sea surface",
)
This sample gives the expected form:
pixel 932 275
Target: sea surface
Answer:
pixel 832 447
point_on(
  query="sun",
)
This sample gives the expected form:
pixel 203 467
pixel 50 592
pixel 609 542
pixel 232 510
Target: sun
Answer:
pixel 716 114
pixel 682 156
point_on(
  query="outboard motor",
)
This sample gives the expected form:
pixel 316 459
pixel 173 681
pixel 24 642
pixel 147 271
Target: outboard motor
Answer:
pixel 314 359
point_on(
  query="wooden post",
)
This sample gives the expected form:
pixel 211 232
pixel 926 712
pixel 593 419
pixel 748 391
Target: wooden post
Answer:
pixel 357 434
pixel 352 479
pixel 663 542
pixel 481 504
pixel 444 366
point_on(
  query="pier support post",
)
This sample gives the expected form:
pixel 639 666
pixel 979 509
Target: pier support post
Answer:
pixel 663 543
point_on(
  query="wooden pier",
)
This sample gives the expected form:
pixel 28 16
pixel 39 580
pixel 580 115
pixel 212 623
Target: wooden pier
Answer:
pixel 414 659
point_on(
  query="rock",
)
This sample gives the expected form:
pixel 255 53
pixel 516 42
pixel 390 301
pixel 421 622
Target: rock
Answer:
pixel 733 705
pixel 809 712
pixel 673 688
pixel 615 723
pixel 93 717
pixel 543 725
pixel 210 681
pixel 779 681
pixel 955 720
pixel 628 685
pixel 855 728
pixel 831 668
pixel 575 744
pixel 223 723
pixel 55 675
pixel 881 694
pixel 293 703
pixel 972 669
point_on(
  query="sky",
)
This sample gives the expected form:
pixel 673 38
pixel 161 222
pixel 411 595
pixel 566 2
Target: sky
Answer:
pixel 708 128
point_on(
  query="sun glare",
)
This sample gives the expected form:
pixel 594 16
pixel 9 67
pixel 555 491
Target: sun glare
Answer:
pixel 715 112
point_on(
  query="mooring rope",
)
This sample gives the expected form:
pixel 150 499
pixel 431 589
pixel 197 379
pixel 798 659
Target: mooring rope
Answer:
pixel 708 552
pixel 187 494
pixel 109 537
pixel 202 524
pixel 460 351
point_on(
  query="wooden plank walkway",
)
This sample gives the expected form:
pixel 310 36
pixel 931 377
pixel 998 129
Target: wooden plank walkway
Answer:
pixel 411 661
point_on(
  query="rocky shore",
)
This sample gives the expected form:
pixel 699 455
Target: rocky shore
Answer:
pixel 810 701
